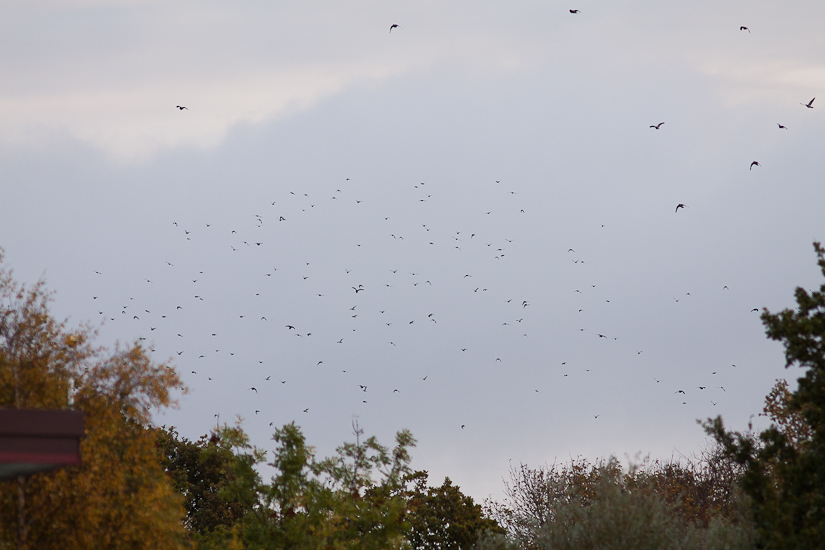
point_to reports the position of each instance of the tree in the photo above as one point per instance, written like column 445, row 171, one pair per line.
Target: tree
column 354, row 499
column 201, row 471
column 690, row 504
column 444, row 518
column 119, row 497
column 535, row 494
column 785, row 467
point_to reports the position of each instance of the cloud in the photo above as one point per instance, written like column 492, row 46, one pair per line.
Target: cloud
column 109, row 74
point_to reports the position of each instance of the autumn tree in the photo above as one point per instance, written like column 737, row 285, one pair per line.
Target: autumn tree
column 660, row 504
column 785, row 468
column 119, row 497
column 533, row 496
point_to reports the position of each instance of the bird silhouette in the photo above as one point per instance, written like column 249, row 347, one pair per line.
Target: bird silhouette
column 744, row 29
column 657, row 126
column 809, row 105
column 393, row 26
column 254, row 389
column 680, row 205
column 182, row 107
column 571, row 11
column 754, row 163
column 781, row 127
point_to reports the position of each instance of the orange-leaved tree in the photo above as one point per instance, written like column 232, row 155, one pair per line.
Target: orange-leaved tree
column 119, row 497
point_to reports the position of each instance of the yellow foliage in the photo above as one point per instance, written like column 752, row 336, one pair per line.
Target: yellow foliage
column 119, row 497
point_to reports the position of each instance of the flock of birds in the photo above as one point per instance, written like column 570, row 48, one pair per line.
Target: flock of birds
column 350, row 312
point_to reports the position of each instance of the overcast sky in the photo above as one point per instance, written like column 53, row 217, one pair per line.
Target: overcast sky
column 472, row 210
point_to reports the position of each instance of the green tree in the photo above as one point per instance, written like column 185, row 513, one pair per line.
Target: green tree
column 201, row 471
column 119, row 497
column 354, row 499
column 785, row 467
column 444, row 518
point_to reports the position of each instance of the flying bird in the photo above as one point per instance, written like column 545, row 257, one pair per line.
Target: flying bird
column 393, row 26
column 680, row 205
column 744, row 29
column 255, row 389
column 571, row 11
column 781, row 127
column 754, row 163
column 657, row 126
column 809, row 105
column 182, row 107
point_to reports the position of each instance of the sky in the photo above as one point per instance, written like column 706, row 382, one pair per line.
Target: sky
column 465, row 226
